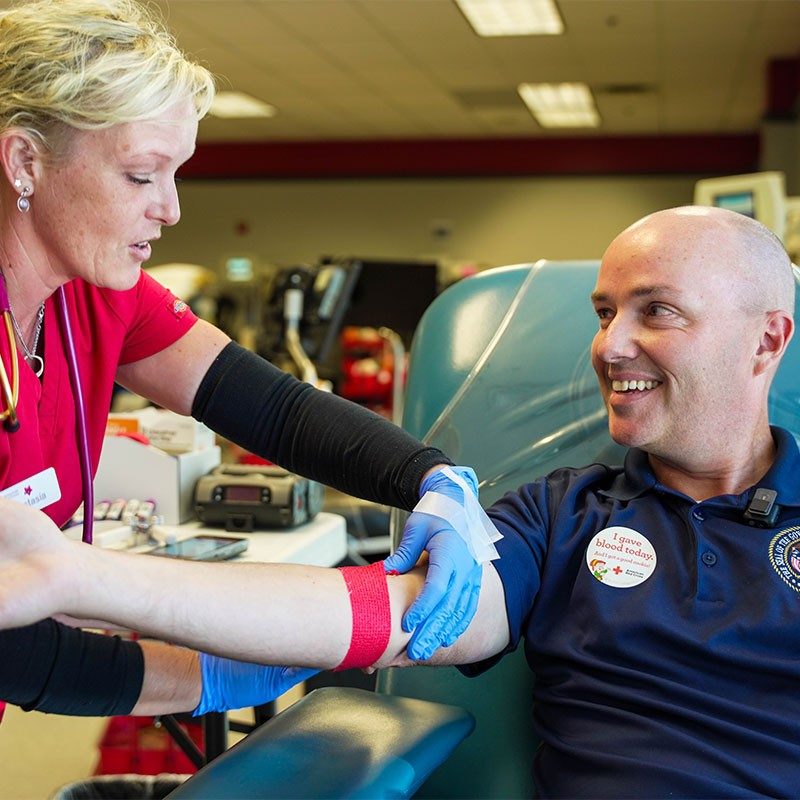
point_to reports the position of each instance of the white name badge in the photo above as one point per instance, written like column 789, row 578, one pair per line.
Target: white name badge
column 620, row 557
column 38, row 491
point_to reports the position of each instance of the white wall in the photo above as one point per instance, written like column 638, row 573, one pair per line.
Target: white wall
column 493, row 221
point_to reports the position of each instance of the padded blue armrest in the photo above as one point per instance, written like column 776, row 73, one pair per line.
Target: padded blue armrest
column 336, row 743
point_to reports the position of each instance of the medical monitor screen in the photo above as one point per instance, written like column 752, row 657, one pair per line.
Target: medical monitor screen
column 740, row 202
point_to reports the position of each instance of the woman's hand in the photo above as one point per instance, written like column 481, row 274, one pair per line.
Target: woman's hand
column 34, row 561
column 229, row 684
column 449, row 599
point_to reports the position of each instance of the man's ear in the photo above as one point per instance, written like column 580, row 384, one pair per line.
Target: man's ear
column 19, row 157
column 775, row 337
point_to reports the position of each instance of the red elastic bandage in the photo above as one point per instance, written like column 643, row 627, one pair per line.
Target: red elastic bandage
column 372, row 618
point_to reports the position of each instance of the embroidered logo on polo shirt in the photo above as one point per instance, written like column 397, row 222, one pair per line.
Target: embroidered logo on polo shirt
column 620, row 557
column 784, row 555
column 176, row 306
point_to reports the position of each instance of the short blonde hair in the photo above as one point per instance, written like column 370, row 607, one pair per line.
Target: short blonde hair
column 87, row 64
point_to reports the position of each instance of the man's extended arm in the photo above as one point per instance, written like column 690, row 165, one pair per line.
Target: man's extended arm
column 269, row 614
column 265, row 613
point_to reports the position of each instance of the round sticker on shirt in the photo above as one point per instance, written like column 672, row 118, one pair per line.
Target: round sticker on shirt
column 620, row 557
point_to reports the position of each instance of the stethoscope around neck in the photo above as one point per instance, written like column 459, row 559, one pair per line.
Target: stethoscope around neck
column 10, row 391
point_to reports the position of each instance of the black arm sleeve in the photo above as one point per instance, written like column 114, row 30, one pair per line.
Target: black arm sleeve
column 61, row 670
column 316, row 434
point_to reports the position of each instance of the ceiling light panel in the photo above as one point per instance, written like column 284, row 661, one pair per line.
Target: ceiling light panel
column 238, row 105
column 512, row 17
column 560, row 105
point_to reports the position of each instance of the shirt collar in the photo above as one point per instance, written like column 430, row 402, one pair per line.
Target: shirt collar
column 638, row 478
column 635, row 479
column 782, row 476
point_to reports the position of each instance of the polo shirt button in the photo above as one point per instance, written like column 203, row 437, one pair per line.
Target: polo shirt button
column 709, row 559
column 698, row 515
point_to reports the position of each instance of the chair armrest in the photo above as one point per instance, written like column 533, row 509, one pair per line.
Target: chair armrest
column 336, row 743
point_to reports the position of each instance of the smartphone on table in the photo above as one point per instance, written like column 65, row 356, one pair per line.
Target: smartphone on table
column 203, row 548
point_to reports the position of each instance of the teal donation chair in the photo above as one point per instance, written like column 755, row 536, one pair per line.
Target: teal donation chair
column 500, row 379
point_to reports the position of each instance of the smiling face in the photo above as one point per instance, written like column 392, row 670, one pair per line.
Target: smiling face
column 96, row 210
column 676, row 346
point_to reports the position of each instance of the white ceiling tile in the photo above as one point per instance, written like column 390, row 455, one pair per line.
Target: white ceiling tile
column 714, row 26
column 320, row 20
column 415, row 19
column 629, row 113
column 782, row 13
column 609, row 23
column 374, row 68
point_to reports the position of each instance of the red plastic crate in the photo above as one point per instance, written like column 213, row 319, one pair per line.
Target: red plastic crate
column 135, row 745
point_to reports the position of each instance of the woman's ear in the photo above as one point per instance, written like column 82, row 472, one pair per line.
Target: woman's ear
column 18, row 157
column 775, row 337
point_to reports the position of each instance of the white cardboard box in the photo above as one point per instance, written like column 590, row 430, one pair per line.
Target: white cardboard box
column 130, row 469
column 166, row 430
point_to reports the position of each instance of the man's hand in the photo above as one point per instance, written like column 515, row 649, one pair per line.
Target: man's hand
column 448, row 601
column 34, row 557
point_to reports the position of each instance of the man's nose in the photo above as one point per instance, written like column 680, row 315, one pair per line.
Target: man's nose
column 618, row 341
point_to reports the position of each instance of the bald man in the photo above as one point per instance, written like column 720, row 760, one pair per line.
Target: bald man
column 662, row 626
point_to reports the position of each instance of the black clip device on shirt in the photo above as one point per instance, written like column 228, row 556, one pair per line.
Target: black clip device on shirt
column 763, row 509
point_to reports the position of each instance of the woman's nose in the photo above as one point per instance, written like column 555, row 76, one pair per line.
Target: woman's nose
column 167, row 209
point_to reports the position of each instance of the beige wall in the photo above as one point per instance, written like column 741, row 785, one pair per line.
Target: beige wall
column 493, row 221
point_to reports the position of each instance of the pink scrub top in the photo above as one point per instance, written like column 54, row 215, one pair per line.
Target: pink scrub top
column 109, row 328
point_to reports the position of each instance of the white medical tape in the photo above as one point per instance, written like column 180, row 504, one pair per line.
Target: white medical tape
column 469, row 520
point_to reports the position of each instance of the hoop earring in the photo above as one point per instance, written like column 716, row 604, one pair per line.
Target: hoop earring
column 23, row 204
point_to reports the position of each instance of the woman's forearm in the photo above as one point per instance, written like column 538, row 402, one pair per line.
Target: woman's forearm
column 171, row 681
column 60, row 670
column 317, row 434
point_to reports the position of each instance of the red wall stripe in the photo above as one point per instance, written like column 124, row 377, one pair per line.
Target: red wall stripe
column 723, row 154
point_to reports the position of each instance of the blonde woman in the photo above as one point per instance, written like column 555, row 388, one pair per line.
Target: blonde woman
column 98, row 110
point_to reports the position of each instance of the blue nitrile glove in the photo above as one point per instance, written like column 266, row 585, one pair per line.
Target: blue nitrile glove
column 449, row 599
column 229, row 684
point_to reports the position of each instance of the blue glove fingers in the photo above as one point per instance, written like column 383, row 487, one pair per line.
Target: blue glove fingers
column 448, row 614
column 291, row 676
column 427, row 637
column 450, row 620
column 464, row 613
column 231, row 684
column 402, row 560
column 425, row 641
column 449, row 567
column 436, row 586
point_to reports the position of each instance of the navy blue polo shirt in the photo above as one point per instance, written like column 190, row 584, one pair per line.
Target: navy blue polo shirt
column 675, row 676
